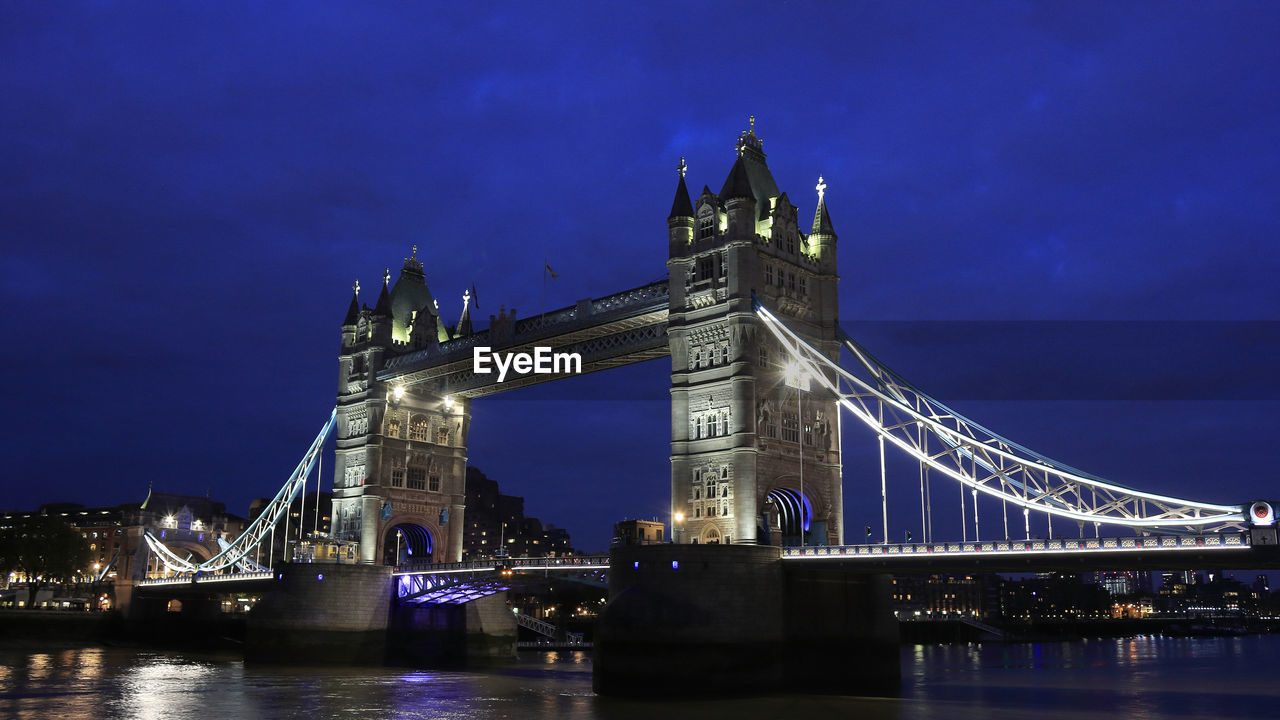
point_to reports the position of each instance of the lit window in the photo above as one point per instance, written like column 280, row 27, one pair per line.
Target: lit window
column 706, row 226
column 790, row 428
column 393, row 427
column 418, row 428
column 442, row 436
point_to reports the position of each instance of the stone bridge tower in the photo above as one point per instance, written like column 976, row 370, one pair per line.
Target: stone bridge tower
column 753, row 460
column 400, row 467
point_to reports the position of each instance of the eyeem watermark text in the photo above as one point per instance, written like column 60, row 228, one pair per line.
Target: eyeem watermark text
column 542, row 361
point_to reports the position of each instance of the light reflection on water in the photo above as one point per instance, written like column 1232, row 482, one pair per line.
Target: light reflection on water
column 1145, row 678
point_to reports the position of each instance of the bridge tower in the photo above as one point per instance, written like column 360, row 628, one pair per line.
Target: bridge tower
column 400, row 469
column 753, row 460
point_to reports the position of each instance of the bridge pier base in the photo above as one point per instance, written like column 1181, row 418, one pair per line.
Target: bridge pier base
column 705, row 620
column 477, row 633
column 323, row 613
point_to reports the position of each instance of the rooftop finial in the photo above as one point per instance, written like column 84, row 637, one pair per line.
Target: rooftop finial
column 821, row 187
column 356, row 288
column 748, row 138
column 682, row 167
column 752, row 120
column 412, row 262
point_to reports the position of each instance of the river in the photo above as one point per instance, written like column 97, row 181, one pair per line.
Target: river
column 1147, row 677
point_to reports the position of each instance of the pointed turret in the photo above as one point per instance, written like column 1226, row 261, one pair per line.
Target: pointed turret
column 384, row 298
column 464, row 322
column 410, row 297
column 682, row 206
column 353, row 312
column 822, row 219
column 738, row 184
column 680, row 221
column 822, row 240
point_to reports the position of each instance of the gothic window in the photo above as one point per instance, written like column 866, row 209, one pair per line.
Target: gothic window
column 791, row 281
column 442, row 435
column 706, row 226
column 433, row 483
column 724, row 266
column 697, row 512
column 417, row 478
column 357, row 364
column 697, row 493
column 782, row 277
column 694, row 355
column 724, row 472
column 397, row 477
column 697, row 476
column 418, row 428
column 791, row 243
column 804, row 285
column 763, row 359
column 706, row 268
column 702, row 425
column 724, row 353
column 790, row 428
column 768, row 274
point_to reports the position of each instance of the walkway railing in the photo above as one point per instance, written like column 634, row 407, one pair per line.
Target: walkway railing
column 1206, row 541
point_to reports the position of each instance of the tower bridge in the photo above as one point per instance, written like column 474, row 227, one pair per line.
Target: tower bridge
column 760, row 387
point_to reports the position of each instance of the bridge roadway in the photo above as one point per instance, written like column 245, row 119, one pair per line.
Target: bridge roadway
column 1228, row 550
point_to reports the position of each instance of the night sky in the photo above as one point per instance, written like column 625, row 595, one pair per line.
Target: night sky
column 1062, row 218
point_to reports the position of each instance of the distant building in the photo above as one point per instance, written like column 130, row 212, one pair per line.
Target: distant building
column 638, row 532
column 940, row 595
column 496, row 525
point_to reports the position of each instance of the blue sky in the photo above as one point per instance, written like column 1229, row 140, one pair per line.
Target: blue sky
column 1061, row 216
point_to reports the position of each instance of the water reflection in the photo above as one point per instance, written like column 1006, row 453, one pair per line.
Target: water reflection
column 1143, row 678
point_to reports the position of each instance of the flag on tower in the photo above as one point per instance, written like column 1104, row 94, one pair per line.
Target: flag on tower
column 554, row 276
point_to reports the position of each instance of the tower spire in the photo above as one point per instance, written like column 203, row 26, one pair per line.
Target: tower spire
column 821, row 218
column 384, row 298
column 464, row 322
column 353, row 312
column 682, row 206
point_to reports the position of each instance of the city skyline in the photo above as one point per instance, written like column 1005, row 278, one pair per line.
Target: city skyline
column 196, row 191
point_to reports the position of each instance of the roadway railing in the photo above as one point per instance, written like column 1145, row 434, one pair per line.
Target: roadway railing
column 1201, row 542
column 577, row 562
column 201, row 579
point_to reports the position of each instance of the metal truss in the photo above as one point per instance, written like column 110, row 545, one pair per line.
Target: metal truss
column 969, row 453
column 448, row 588
column 236, row 553
column 618, row 329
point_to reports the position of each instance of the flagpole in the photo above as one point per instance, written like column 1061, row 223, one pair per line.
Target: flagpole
column 542, row 308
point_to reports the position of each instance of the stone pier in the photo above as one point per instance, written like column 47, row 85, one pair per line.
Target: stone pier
column 703, row 620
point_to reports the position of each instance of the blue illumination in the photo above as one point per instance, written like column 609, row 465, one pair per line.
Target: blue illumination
column 320, row 576
column 636, row 565
column 675, row 564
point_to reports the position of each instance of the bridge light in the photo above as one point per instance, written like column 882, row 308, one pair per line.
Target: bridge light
column 398, row 392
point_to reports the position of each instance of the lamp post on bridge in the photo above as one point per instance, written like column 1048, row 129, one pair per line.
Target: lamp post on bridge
column 795, row 376
column 677, row 521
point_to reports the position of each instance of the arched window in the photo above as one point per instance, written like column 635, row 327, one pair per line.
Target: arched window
column 393, row 427
column 418, row 428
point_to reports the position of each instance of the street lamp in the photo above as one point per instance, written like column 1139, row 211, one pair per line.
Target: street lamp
column 677, row 521
column 398, row 392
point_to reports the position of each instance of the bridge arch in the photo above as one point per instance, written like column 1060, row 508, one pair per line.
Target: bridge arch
column 408, row 539
column 790, row 512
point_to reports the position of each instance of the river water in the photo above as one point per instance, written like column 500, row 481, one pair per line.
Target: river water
column 1148, row 677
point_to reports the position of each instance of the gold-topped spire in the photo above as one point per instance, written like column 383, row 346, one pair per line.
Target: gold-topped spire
column 682, row 167
column 386, row 277
column 356, row 288
column 752, row 120
column 412, row 262
column 748, row 138
column 821, row 187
